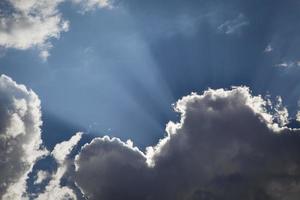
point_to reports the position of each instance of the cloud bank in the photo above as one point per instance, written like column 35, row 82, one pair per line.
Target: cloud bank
column 227, row 145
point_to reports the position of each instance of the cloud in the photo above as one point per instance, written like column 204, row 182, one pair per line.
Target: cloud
column 227, row 145
column 268, row 49
column 21, row 145
column 118, row 164
column 88, row 5
column 32, row 23
column 289, row 64
column 20, row 136
column 62, row 150
column 54, row 190
column 234, row 25
column 41, row 176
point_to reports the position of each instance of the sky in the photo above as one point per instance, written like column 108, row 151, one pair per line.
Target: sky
column 131, row 99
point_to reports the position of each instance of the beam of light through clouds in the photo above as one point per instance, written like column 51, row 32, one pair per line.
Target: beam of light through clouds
column 114, row 69
column 128, row 62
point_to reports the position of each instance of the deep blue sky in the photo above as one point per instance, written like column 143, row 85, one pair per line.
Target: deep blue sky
column 117, row 71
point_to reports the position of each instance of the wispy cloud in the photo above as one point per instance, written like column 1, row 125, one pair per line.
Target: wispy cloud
column 268, row 49
column 289, row 64
column 234, row 25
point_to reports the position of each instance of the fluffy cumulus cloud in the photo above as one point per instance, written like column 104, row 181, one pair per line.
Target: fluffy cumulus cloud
column 227, row 145
column 20, row 137
column 32, row 23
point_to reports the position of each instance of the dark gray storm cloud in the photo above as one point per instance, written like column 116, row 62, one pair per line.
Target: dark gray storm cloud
column 226, row 146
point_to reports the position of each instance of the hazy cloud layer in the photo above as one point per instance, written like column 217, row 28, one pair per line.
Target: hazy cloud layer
column 20, row 136
column 226, row 146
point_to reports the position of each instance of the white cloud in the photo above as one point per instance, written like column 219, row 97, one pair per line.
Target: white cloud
column 88, row 5
column 20, row 136
column 54, row 190
column 41, row 176
column 62, row 150
column 44, row 54
column 227, row 145
column 289, row 64
column 32, row 23
column 281, row 114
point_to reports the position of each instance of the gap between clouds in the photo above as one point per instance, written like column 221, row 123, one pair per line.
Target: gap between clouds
column 228, row 144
